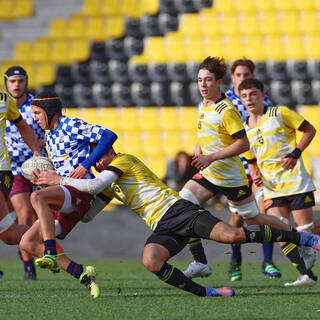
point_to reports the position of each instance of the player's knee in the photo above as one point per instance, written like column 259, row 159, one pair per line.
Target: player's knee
column 151, row 263
column 9, row 236
column 36, row 198
column 246, row 211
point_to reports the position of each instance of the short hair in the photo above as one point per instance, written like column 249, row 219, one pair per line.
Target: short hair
column 243, row 62
column 215, row 65
column 251, row 83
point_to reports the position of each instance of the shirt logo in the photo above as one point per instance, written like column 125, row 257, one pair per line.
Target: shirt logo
column 260, row 138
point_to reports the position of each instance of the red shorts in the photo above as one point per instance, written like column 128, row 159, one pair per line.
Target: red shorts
column 21, row 185
column 82, row 202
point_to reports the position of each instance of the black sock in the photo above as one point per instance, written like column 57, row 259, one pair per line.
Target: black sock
column 176, row 278
column 292, row 252
column 266, row 234
column 197, row 251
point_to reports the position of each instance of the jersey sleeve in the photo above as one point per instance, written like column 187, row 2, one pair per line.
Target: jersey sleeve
column 120, row 164
column 248, row 156
column 290, row 118
column 232, row 122
column 13, row 113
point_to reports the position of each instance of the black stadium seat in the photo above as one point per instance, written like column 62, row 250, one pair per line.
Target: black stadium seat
column 98, row 51
column 64, row 75
column 115, row 49
column 194, row 93
column 150, row 26
column 99, row 72
column 133, row 46
column 313, row 67
column 102, row 95
column 138, row 72
column 133, row 28
column 297, row 70
column 168, row 22
column 168, row 6
column 315, row 85
column 177, row 72
column 179, row 93
column 66, row 95
column 141, row 95
column 302, row 92
column 160, row 94
column 158, row 72
column 82, row 96
column 280, row 92
column 118, row 71
column 277, row 70
column 81, row 72
column 121, row 94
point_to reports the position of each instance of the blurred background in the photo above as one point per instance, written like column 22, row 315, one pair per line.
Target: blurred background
column 131, row 65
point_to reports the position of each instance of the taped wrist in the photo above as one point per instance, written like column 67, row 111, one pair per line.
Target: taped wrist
column 295, row 154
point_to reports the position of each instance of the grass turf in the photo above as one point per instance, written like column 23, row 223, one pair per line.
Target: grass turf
column 131, row 292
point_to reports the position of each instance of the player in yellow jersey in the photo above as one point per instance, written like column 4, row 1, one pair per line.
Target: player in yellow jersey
column 10, row 232
column 173, row 220
column 274, row 162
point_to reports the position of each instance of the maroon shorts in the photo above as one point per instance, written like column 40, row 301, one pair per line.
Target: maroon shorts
column 82, row 202
column 21, row 185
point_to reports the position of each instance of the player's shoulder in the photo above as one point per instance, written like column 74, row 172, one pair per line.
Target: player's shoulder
column 276, row 111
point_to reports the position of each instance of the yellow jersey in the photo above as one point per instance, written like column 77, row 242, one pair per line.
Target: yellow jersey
column 8, row 111
column 218, row 126
column 140, row 189
column 272, row 138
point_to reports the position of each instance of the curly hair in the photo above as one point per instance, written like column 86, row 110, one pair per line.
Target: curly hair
column 215, row 65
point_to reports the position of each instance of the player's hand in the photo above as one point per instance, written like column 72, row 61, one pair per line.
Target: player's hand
column 36, row 153
column 288, row 163
column 257, row 180
column 46, row 178
column 201, row 161
column 79, row 172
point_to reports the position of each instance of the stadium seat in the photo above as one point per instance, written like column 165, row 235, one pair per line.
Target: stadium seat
column 268, row 23
column 90, row 115
column 132, row 46
column 232, row 48
column 115, row 49
column 73, row 112
column 288, row 22
column 260, row 72
column 177, row 72
column 281, row 93
column 168, row 23
column 179, row 94
column 154, row 50
column 157, row 164
column 200, row 4
column 109, row 118
column 150, row 7
column 194, row 93
column 76, row 27
column 283, row 5
column 277, row 70
column 118, row 71
column 312, row 46
column 213, row 46
column 24, row 8
column 167, row 119
column 171, row 143
column 294, row 47
column 168, row 6
column 79, row 50
column 194, row 48
column 138, row 72
column 185, row 6
column 7, row 11
column 248, row 22
column 313, row 67
column 244, row 6
column 96, row 29
column 150, row 26
column 64, row 75
column 302, row 92
column 45, row 74
column 148, row 119
column 224, row 6
column 174, row 48
column 189, row 140
column 189, row 25
column 41, row 50
column 308, row 21
column 81, row 72
column 192, row 70
column 315, row 85
column 115, row 27
column 58, row 29
column 91, row 7
column 304, row 5
column 297, row 69
column 22, row 51
column 60, row 52
column 121, row 94
column 82, row 96
column 228, row 24
column 160, row 94
column 99, row 71
column 151, row 144
column 102, row 95
column 140, row 94
column 98, row 51
column 131, row 143
column 253, row 48
column 264, row 6
column 158, row 72
column 127, row 119
column 187, row 118
column 109, row 7
column 273, row 47
column 133, row 28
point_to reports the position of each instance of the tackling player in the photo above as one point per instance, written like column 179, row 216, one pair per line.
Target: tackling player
column 275, row 163
column 173, row 220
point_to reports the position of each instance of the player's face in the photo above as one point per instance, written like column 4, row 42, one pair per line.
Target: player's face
column 103, row 163
column 208, row 85
column 40, row 117
column 16, row 86
column 252, row 99
column 240, row 73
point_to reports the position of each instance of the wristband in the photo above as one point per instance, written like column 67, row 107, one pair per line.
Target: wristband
column 295, row 154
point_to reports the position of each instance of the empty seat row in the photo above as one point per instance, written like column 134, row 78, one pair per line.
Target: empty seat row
column 16, row 9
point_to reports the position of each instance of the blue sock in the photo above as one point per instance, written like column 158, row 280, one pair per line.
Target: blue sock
column 75, row 269
column 29, row 265
column 267, row 252
column 236, row 253
column 50, row 247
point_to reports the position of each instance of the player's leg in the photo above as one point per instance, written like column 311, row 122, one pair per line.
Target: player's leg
column 197, row 194
column 156, row 253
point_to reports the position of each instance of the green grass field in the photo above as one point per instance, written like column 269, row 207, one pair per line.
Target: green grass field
column 131, row 292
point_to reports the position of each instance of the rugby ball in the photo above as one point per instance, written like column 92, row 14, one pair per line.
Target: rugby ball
column 33, row 163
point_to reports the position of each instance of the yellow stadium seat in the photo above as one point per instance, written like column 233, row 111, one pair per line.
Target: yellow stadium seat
column 273, row 47
column 294, row 48
column 114, row 27
column 311, row 114
column 31, row 70
column 22, row 51
column 167, row 119
column 288, row 22
column 174, row 48
column 108, row 118
column 224, row 6
column 151, row 144
column 244, row 5
column 149, row 6
column 253, row 48
column 189, row 140
column 72, row 112
column 58, row 29
column 110, row 7
column 228, row 24
column 96, row 29
column 157, row 165
column 209, row 23
column 24, row 8
column 268, row 23
column 194, row 48
column 248, row 23
column 154, row 50
column 130, row 8
column 60, row 53
column 41, row 50
column 304, row 5
column 316, row 4
column 233, row 48
column 45, row 74
column 312, row 46
column 7, row 11
column 264, row 6
column 79, row 50
column 148, row 119
column 187, row 118
column 5, row 65
column 130, row 142
column 189, row 25
column 90, row 115
column 76, row 27
column 91, row 7
column 212, row 46
column 171, row 143
column 308, row 22
column 128, row 119
column 283, row 5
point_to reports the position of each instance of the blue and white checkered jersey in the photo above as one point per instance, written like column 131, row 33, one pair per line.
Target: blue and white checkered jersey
column 231, row 95
column 69, row 144
column 17, row 148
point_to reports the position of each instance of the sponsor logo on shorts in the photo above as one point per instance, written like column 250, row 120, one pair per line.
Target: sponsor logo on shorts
column 241, row 193
column 307, row 199
column 268, row 203
column 197, row 176
column 7, row 181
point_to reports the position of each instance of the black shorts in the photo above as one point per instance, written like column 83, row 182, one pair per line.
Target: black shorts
column 182, row 221
column 6, row 182
column 294, row 202
column 233, row 193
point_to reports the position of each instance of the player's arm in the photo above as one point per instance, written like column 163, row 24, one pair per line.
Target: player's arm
column 255, row 173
